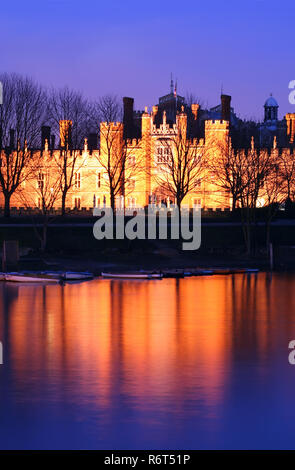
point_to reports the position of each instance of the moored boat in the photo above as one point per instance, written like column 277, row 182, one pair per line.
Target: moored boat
column 138, row 275
column 28, row 277
column 76, row 276
column 201, row 272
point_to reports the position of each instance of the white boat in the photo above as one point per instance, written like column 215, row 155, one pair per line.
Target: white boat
column 132, row 275
column 76, row 276
column 69, row 275
column 28, row 277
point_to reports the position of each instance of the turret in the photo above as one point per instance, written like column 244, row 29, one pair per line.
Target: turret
column 216, row 133
column 145, row 123
column 290, row 119
column 65, row 132
column 181, row 122
column 271, row 109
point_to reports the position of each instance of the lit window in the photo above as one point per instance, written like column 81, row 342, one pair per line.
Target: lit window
column 132, row 202
column 99, row 180
column 77, row 202
column 131, row 160
column 131, row 184
column 163, row 154
column 196, row 202
column 77, row 180
column 41, row 178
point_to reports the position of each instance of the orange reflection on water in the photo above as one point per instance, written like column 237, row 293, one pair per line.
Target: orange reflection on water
column 148, row 341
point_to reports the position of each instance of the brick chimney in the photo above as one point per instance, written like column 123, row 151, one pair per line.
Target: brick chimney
column 65, row 131
column 225, row 107
column 92, row 141
column 128, row 117
column 195, row 109
column 45, row 134
column 290, row 119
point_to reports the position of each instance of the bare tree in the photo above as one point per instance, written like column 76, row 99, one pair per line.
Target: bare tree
column 287, row 171
column 179, row 166
column 226, row 169
column 21, row 116
column 257, row 167
column 43, row 191
column 191, row 98
column 274, row 193
column 108, row 108
column 116, row 158
column 69, row 114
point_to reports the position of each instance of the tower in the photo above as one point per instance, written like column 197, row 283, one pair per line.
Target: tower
column 290, row 119
column 65, row 131
column 271, row 109
column 146, row 122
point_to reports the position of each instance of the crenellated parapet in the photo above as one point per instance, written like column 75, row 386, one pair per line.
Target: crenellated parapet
column 133, row 143
column 216, row 124
column 111, row 126
column 163, row 130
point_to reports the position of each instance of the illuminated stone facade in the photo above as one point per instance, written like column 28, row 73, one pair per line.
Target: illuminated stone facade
column 90, row 185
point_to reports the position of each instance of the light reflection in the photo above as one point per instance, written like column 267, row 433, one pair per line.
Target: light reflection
column 170, row 344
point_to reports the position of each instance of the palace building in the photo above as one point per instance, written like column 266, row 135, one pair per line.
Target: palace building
column 144, row 140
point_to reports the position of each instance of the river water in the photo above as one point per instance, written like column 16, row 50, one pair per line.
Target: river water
column 196, row 363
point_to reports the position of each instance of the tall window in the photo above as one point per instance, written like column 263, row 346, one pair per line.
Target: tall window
column 77, row 180
column 98, row 180
column 131, row 160
column 77, row 202
column 131, row 202
column 41, row 179
column 131, row 184
column 163, row 154
column 197, row 202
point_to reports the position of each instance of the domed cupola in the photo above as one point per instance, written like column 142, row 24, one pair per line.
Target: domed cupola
column 271, row 109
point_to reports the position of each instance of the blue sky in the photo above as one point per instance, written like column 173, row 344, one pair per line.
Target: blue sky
column 130, row 48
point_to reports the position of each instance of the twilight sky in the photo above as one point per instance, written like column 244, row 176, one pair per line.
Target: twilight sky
column 129, row 48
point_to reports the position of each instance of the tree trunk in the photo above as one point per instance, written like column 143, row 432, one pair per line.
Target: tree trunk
column 178, row 201
column 7, row 205
column 234, row 203
column 112, row 201
column 63, row 203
